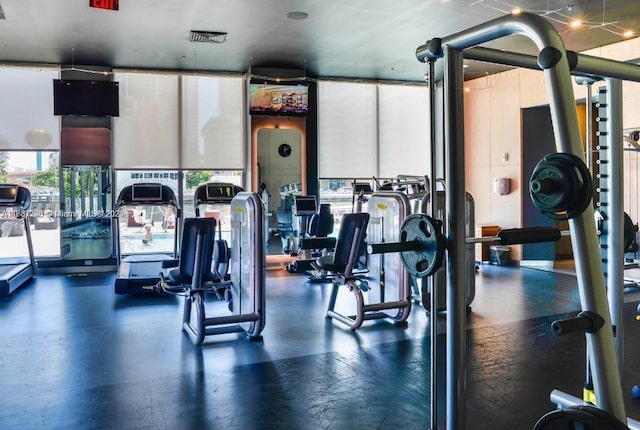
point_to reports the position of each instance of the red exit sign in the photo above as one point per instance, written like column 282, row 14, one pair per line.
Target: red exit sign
column 105, row 4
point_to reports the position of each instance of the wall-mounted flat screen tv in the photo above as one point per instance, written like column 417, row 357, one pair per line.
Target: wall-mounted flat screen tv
column 87, row 98
column 278, row 99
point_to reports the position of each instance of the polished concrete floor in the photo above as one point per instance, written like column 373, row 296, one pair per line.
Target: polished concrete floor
column 75, row 356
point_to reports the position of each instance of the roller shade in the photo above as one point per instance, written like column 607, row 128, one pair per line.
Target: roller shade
column 26, row 110
column 403, row 133
column 346, row 130
column 146, row 134
column 212, row 122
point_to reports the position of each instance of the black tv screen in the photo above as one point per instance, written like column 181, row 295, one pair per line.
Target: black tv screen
column 87, row 98
column 278, row 99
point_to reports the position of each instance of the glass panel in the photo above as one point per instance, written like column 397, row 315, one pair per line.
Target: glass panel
column 13, row 240
column 39, row 172
column 194, row 178
column 147, row 229
column 87, row 216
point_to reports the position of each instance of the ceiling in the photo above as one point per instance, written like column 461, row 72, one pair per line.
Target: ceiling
column 354, row 39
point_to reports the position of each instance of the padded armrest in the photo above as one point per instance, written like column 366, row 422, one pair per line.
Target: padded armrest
column 166, row 264
column 318, row 243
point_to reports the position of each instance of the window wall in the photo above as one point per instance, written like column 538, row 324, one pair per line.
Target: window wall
column 190, row 126
column 367, row 131
column 29, row 149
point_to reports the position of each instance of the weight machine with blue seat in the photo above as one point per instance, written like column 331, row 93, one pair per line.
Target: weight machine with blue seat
column 244, row 291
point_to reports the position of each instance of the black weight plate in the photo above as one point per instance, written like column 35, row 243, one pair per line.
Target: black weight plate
column 426, row 231
column 567, row 187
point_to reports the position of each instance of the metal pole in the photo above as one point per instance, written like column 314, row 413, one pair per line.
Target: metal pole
column 615, row 210
column 433, row 212
column 455, row 216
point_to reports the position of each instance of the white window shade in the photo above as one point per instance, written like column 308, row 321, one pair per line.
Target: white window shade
column 212, row 122
column 346, row 130
column 27, row 122
column 146, row 134
column 403, row 121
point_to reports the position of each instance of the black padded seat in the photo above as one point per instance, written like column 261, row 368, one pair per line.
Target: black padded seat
column 350, row 240
column 192, row 228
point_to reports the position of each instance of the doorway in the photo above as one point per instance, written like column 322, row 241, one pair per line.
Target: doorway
column 279, row 166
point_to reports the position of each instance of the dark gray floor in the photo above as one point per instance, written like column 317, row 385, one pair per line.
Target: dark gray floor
column 75, row 356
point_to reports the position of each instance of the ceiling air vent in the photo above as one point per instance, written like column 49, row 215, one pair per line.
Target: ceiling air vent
column 207, row 36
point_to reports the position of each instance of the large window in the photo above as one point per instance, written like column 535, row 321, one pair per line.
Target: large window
column 368, row 131
column 178, row 122
column 39, row 172
column 146, row 229
column 29, row 144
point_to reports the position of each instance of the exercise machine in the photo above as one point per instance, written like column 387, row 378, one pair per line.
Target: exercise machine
column 311, row 233
column 385, row 293
column 14, row 205
column 568, row 198
column 139, row 270
column 285, row 219
column 244, row 291
column 424, row 286
column 315, row 244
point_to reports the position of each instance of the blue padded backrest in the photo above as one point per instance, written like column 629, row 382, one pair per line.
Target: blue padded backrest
column 192, row 228
column 352, row 231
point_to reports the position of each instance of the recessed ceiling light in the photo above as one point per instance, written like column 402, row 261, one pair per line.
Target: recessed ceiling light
column 576, row 23
column 516, row 11
column 297, row 15
column 628, row 33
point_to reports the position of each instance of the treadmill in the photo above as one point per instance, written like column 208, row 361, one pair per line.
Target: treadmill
column 139, row 271
column 14, row 203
